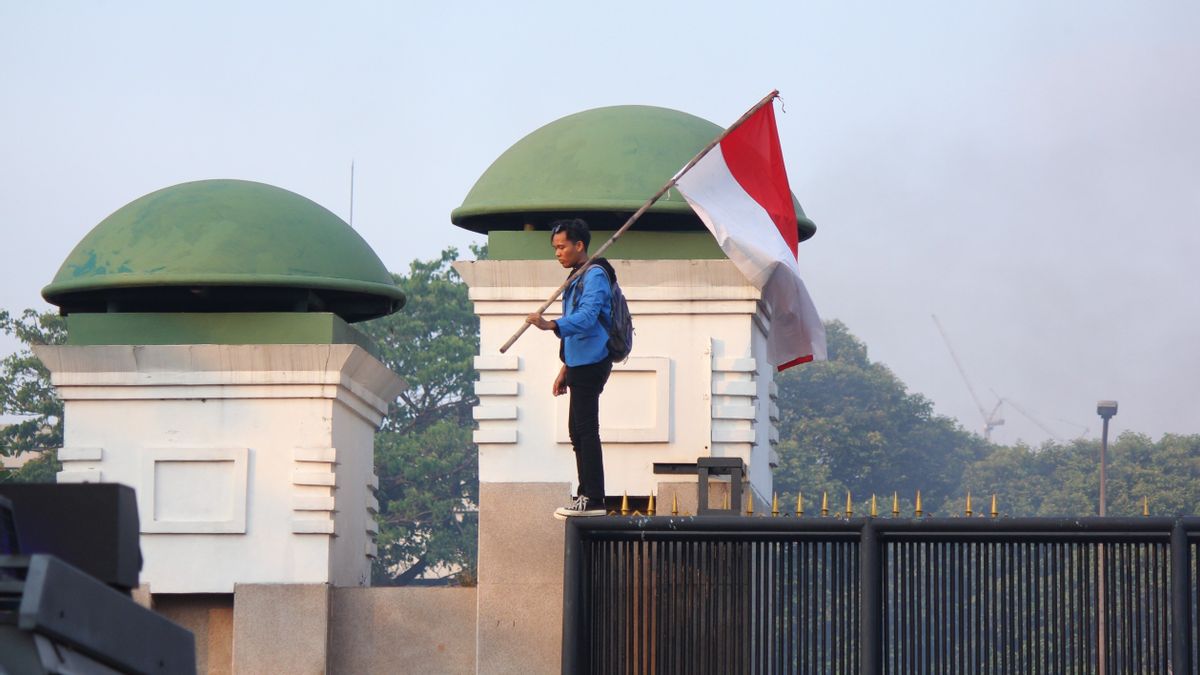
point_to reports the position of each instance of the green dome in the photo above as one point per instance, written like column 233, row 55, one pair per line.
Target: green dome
column 602, row 164
column 224, row 245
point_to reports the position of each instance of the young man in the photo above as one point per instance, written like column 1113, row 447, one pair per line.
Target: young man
column 583, row 329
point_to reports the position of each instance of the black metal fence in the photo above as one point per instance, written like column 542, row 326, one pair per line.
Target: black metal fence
column 870, row 595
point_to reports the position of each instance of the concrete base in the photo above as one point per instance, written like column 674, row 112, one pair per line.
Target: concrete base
column 397, row 630
column 210, row 618
column 685, row 493
column 520, row 577
column 281, row 628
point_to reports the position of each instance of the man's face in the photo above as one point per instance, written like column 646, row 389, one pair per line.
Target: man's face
column 568, row 253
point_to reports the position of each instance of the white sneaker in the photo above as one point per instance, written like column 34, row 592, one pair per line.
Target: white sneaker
column 578, row 507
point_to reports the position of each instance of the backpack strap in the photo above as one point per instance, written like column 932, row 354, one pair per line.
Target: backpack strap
column 577, row 287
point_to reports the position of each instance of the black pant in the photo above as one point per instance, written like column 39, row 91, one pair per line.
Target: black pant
column 586, row 383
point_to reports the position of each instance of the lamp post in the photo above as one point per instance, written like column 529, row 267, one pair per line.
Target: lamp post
column 1106, row 409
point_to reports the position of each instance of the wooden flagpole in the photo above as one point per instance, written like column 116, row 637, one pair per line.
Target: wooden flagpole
column 638, row 214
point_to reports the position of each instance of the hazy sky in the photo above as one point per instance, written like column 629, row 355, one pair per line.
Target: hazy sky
column 1028, row 171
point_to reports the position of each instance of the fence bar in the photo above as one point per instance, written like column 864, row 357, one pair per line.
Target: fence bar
column 576, row 641
column 1181, row 600
column 871, row 615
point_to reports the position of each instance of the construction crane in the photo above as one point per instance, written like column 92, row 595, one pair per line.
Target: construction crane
column 1082, row 434
column 1031, row 418
column 990, row 420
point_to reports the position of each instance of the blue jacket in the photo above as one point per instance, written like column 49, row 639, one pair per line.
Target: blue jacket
column 583, row 326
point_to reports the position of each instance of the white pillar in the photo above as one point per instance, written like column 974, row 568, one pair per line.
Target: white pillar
column 253, row 464
column 696, row 384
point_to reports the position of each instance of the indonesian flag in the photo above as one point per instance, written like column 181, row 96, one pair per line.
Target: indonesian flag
column 740, row 190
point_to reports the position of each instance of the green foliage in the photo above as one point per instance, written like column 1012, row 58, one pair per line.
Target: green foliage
column 424, row 456
column 849, row 423
column 1064, row 479
column 26, row 393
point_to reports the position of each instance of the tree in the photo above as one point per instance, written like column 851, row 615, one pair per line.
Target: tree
column 26, row 393
column 849, row 424
column 424, row 456
column 1064, row 479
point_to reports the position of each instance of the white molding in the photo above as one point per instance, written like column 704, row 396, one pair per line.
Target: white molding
column 312, row 526
column 497, row 436
column 117, row 372
column 323, row 455
column 746, row 388
column 80, row 476
column 312, row 503
column 497, row 388
column 733, row 412
column 734, row 365
column 149, row 499
column 498, row 362
column 494, row 412
column 658, row 431
column 319, row 478
column 733, row 435
column 76, row 454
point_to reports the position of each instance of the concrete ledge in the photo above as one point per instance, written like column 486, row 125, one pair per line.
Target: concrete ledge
column 409, row 630
column 210, row 618
column 281, row 628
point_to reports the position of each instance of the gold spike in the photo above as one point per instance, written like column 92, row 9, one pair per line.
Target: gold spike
column 849, row 505
column 799, row 504
column 750, row 504
column 874, row 508
column 775, row 503
column 968, row 504
column 726, row 502
column 995, row 511
column 625, row 504
column 650, row 505
column 674, row 503
column 1145, row 506
column 824, row 503
column 918, row 509
column 895, row 504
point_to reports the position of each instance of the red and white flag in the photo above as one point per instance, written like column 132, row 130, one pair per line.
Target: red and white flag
column 740, row 190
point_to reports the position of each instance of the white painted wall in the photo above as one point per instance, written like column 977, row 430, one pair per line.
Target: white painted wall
column 696, row 384
column 252, row 463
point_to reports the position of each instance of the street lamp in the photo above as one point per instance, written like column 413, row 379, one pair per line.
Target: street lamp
column 1105, row 409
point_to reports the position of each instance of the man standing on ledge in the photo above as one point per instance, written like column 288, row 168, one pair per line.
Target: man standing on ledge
column 583, row 329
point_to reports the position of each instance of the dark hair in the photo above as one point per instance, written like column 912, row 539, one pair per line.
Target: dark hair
column 576, row 229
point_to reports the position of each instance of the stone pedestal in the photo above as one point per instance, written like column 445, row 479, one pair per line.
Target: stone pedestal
column 519, row 620
column 696, row 385
column 281, row 628
column 252, row 463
